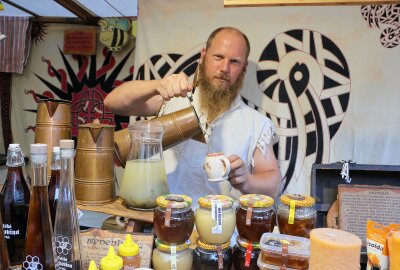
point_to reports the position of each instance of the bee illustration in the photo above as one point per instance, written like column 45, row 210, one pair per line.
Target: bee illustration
column 114, row 33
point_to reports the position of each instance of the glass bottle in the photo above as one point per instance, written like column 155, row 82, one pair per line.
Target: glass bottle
column 66, row 229
column 4, row 259
column 144, row 178
column 54, row 183
column 15, row 204
column 39, row 251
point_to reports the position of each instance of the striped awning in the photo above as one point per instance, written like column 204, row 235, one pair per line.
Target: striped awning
column 15, row 44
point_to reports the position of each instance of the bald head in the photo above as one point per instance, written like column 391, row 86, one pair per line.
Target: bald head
column 229, row 29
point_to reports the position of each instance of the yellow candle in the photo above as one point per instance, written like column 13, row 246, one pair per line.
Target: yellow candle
column 334, row 249
column 394, row 255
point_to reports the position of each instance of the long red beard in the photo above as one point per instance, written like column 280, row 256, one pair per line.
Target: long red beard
column 217, row 98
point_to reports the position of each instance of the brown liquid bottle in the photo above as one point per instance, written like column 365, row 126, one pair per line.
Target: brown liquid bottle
column 4, row 260
column 15, row 204
column 54, row 183
column 39, row 251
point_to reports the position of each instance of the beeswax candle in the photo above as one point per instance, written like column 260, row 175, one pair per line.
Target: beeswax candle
column 334, row 249
column 394, row 257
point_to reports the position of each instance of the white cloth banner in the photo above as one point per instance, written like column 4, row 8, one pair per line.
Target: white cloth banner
column 328, row 77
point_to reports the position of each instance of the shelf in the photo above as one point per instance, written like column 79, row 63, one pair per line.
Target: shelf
column 118, row 208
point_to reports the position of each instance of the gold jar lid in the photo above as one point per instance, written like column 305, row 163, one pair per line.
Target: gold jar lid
column 256, row 200
column 163, row 246
column 175, row 201
column 299, row 200
column 213, row 247
column 205, row 202
column 244, row 243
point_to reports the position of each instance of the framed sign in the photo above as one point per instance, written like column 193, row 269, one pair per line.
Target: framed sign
column 80, row 41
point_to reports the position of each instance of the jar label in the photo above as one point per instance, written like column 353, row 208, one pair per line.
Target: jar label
column 220, row 257
column 249, row 250
column 168, row 212
column 249, row 214
column 173, row 257
column 216, row 215
column 292, row 211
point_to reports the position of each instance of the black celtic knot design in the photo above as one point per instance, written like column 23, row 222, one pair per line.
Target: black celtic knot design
column 306, row 81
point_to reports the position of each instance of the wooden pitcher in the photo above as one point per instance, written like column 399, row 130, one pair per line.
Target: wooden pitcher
column 53, row 123
column 94, row 164
column 178, row 127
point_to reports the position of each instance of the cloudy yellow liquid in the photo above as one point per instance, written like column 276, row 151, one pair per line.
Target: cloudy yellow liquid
column 142, row 182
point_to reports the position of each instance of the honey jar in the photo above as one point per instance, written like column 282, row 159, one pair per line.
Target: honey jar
column 215, row 219
column 284, row 250
column 171, row 256
column 296, row 215
column 255, row 216
column 245, row 254
column 208, row 256
column 173, row 218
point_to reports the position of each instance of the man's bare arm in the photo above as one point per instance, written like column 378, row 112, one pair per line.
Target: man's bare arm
column 144, row 98
column 266, row 178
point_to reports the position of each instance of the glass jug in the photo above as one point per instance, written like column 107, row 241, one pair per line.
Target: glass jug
column 144, row 178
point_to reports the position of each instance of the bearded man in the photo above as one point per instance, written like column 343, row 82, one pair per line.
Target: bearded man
column 230, row 126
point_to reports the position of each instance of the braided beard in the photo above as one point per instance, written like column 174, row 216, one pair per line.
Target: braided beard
column 215, row 97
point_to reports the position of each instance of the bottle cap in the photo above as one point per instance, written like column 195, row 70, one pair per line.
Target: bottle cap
column 67, row 144
column 256, row 200
column 39, row 152
column 111, row 261
column 56, row 149
column 129, row 247
column 39, row 148
column 15, row 157
column 92, row 265
column 13, row 145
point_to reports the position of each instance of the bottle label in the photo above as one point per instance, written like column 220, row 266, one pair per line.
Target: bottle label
column 32, row 263
column 63, row 247
column 173, row 257
column 216, row 214
column 11, row 230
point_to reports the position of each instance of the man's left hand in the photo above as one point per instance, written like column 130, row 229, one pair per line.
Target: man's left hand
column 239, row 173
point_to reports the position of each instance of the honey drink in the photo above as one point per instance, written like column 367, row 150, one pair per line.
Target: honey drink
column 143, row 181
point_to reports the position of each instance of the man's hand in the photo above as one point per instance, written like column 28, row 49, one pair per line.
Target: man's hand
column 239, row 173
column 175, row 85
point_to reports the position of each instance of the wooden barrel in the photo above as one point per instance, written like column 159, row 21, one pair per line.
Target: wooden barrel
column 53, row 123
column 94, row 164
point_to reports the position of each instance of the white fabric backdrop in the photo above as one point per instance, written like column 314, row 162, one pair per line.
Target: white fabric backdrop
column 320, row 73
